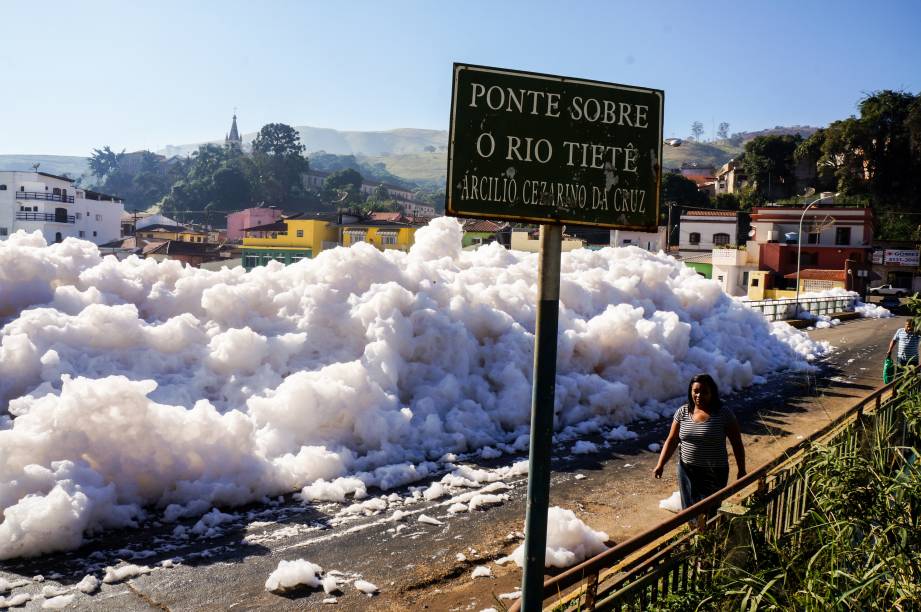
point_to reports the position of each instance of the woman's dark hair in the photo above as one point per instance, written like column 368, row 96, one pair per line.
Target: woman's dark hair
column 707, row 381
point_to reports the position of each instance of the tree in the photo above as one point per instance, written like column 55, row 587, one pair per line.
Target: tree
column 344, row 187
column 769, row 164
column 723, row 132
column 278, row 140
column 278, row 163
column 727, row 201
column 697, row 129
column 105, row 161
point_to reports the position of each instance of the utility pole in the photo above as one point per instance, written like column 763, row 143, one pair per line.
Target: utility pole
column 668, row 229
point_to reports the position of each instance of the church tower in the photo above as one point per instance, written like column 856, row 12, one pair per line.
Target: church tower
column 233, row 139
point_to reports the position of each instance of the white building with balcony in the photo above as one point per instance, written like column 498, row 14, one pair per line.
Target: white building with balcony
column 32, row 201
column 705, row 230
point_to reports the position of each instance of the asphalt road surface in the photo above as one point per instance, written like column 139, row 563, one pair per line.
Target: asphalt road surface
column 418, row 565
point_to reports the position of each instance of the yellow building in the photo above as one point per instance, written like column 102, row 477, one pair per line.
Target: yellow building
column 288, row 241
column 294, row 238
column 382, row 234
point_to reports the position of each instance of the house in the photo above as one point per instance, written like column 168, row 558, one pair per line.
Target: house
column 733, row 267
column 384, row 235
column 529, row 240
column 250, row 217
column 305, row 235
column 730, row 178
column 160, row 232
column 54, row 206
column 481, row 231
column 195, row 254
column 648, row 241
column 703, row 230
column 831, row 237
column 287, row 240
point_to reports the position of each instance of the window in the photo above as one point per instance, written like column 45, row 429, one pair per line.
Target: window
column 720, row 239
column 2, row 187
column 300, row 233
column 4, row 231
column 81, row 234
column 94, row 233
column 842, row 235
column 754, row 282
column 99, row 217
column 745, row 278
column 58, row 237
column 813, row 238
column 720, row 278
column 79, row 215
column 694, row 238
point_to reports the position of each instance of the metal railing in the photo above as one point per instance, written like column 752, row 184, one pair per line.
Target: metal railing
column 47, row 217
column 784, row 309
column 662, row 561
column 39, row 195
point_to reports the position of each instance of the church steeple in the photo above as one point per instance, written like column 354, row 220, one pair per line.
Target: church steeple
column 233, row 138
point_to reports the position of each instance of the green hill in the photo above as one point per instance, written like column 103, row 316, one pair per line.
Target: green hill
column 72, row 166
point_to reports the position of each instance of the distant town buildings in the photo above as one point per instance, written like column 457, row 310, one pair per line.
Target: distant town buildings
column 410, row 207
column 32, row 201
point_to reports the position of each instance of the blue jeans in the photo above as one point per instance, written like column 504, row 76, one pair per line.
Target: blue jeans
column 697, row 482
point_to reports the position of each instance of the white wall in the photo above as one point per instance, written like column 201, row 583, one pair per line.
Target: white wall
column 521, row 242
column 706, row 229
column 648, row 241
column 103, row 218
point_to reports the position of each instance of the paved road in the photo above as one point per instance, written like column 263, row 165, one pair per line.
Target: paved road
column 416, row 565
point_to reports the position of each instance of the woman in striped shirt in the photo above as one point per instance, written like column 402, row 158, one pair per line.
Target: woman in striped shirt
column 702, row 426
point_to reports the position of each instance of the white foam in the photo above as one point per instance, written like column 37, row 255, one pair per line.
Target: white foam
column 138, row 385
column 291, row 574
column 569, row 540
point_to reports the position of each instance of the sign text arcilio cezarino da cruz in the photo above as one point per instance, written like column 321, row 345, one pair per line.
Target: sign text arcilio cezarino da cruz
column 543, row 148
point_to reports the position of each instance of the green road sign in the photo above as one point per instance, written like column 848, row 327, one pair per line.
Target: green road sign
column 550, row 149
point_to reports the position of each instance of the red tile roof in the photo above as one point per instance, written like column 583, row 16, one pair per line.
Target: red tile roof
column 387, row 216
column 480, row 225
column 814, row 274
column 710, row 213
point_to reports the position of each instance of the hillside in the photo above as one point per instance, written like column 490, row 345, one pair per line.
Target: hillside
column 73, row 166
column 399, row 141
column 410, row 154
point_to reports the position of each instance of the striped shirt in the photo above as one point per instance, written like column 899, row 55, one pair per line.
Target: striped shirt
column 908, row 344
column 704, row 444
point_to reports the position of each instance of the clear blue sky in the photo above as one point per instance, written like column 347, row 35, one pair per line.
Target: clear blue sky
column 136, row 75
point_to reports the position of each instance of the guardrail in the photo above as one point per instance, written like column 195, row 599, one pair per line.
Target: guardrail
column 661, row 561
column 784, row 309
column 48, row 217
column 39, row 195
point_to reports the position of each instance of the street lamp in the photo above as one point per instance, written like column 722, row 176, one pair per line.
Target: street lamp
column 799, row 244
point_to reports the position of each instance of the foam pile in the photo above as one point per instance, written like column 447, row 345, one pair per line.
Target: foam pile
column 135, row 384
column 569, row 541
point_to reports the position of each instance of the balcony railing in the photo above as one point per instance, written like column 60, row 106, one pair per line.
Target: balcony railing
column 46, row 217
column 39, row 195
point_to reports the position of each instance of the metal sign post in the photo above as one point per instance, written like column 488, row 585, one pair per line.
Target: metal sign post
column 542, row 408
column 552, row 150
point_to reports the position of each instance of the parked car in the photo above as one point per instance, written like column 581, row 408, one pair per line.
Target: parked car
column 888, row 290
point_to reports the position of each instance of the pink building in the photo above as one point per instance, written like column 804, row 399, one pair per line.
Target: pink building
column 251, row 217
